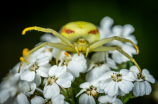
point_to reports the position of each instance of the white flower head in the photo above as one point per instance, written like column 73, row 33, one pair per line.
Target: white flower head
column 33, row 66
column 89, row 89
column 109, row 100
column 57, row 76
column 75, row 64
column 113, row 81
column 142, row 85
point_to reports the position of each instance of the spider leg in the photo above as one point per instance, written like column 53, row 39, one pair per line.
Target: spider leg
column 58, row 55
column 107, row 40
column 103, row 48
column 57, row 45
column 47, row 30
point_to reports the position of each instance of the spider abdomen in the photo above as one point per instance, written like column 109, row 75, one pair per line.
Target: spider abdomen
column 80, row 29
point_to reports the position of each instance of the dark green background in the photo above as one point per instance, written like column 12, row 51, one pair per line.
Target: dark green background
column 15, row 16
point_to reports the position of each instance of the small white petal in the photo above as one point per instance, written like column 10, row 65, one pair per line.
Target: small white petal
column 22, row 99
column 4, row 95
column 86, row 99
column 50, row 91
column 33, row 87
column 111, row 63
column 37, row 100
column 147, row 88
column 136, row 89
column 125, row 86
column 117, row 57
column 81, row 91
column 65, row 80
column 28, row 75
column 142, row 88
column 25, row 87
column 52, row 70
column 97, row 72
column 128, row 29
column 75, row 68
column 37, row 80
column 107, row 86
column 104, row 84
column 149, row 78
column 85, row 85
column 117, row 101
column 106, row 99
column 59, row 99
column 105, row 76
column 43, row 61
column 117, row 29
column 134, row 69
column 145, row 72
column 113, row 89
column 41, row 72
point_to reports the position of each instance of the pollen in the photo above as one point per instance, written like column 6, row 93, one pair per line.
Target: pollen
column 66, row 54
column 25, row 51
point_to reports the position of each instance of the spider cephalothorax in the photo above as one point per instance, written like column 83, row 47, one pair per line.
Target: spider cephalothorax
column 80, row 37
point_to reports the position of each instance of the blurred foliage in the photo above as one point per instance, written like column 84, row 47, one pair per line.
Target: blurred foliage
column 142, row 14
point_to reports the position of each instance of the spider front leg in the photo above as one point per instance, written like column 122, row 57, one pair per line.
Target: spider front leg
column 57, row 45
column 104, row 48
column 107, row 40
column 47, row 30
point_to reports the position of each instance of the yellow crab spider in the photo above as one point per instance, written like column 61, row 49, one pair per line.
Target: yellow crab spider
column 81, row 37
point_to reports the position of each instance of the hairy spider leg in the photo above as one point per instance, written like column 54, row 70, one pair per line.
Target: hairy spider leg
column 104, row 48
column 57, row 45
column 107, row 40
column 48, row 30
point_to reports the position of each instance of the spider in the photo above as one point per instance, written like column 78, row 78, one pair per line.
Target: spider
column 80, row 37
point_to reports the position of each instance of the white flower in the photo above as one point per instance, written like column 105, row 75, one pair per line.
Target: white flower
column 109, row 100
column 113, row 81
column 142, row 85
column 123, row 32
column 57, row 75
column 90, row 89
column 105, row 27
column 34, row 65
column 55, row 99
column 75, row 64
column 28, row 88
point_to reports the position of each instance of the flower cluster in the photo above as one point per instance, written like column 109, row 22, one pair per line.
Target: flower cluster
column 104, row 78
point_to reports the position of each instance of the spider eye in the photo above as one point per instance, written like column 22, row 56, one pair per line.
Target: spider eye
column 93, row 31
column 68, row 31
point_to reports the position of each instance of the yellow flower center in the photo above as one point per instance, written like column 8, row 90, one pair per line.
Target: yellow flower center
column 116, row 77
